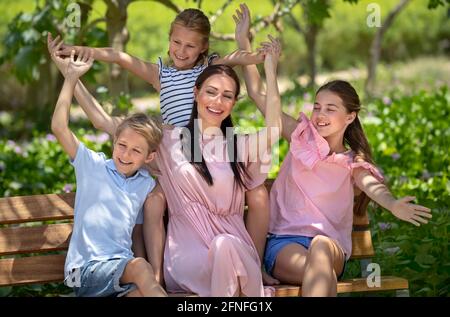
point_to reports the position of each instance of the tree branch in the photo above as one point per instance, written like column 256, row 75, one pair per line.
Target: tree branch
column 219, row 12
column 168, row 4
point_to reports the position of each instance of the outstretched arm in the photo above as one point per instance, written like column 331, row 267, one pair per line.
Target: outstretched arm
column 240, row 57
column 400, row 208
column 60, row 119
column 252, row 77
column 147, row 71
column 95, row 112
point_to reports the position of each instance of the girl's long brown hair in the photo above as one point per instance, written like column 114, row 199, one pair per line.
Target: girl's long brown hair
column 354, row 134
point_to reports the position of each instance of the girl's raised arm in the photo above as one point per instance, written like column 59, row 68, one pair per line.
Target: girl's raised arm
column 252, row 77
column 145, row 70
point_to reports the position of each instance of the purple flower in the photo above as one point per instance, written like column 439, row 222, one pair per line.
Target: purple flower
column 18, row 149
column 395, row 156
column 403, row 179
column 392, row 251
column 384, row 226
column 307, row 107
column 50, row 137
column 68, row 188
column 387, row 101
column 426, row 175
column 103, row 137
column 11, row 143
column 90, row 137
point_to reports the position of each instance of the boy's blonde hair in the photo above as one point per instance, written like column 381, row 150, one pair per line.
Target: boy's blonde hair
column 149, row 128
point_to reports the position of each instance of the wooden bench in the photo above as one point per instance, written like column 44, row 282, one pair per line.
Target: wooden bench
column 32, row 250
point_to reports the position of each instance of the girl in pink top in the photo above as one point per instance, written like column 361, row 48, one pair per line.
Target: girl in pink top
column 312, row 198
column 209, row 250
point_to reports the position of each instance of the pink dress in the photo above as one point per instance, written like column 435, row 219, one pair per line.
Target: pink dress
column 313, row 193
column 208, row 249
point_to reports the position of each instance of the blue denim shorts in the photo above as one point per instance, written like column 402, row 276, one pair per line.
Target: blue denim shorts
column 102, row 279
column 277, row 242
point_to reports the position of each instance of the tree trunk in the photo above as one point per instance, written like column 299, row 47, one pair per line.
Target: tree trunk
column 310, row 35
column 116, row 20
column 375, row 48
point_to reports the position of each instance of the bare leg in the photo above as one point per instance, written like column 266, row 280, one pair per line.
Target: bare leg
column 290, row 264
column 324, row 262
column 140, row 272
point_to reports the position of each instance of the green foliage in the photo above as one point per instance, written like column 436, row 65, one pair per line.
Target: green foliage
column 25, row 42
column 40, row 166
column 410, row 137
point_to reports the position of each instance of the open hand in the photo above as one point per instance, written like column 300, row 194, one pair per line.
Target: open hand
column 412, row 213
column 79, row 66
column 272, row 52
column 242, row 21
column 53, row 45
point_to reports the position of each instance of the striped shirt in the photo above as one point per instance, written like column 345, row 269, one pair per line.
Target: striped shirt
column 176, row 96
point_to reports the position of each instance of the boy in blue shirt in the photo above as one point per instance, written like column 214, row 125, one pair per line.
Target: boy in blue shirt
column 109, row 200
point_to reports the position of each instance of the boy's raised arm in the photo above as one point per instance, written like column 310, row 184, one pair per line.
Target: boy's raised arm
column 95, row 112
column 60, row 119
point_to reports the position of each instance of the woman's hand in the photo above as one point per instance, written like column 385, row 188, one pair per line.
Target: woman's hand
column 272, row 52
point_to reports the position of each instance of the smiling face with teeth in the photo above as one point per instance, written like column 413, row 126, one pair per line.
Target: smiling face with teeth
column 131, row 152
column 330, row 117
column 215, row 99
column 185, row 47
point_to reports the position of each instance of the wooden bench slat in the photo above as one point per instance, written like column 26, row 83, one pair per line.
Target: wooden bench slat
column 30, row 270
column 362, row 245
column 35, row 239
column 36, row 208
column 387, row 283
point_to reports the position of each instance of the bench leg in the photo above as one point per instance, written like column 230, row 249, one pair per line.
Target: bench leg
column 364, row 263
column 402, row 293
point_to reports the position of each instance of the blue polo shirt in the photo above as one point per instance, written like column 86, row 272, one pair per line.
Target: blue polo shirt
column 107, row 206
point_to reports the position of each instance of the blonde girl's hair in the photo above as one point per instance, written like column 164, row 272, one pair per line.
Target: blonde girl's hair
column 149, row 128
column 194, row 20
column 354, row 135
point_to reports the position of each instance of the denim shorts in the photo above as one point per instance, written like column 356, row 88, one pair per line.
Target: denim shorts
column 102, row 279
column 277, row 242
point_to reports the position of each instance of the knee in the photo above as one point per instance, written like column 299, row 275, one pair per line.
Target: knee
column 321, row 243
column 257, row 196
column 139, row 267
column 222, row 245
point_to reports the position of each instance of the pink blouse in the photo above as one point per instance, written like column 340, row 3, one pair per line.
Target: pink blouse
column 313, row 193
